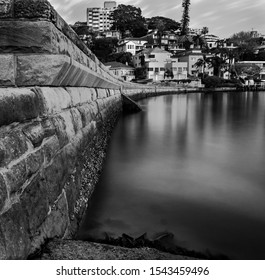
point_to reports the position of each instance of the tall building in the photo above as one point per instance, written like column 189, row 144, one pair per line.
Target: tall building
column 98, row 19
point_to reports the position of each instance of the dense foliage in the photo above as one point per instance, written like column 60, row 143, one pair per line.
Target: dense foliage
column 103, row 47
column 168, row 24
column 129, row 21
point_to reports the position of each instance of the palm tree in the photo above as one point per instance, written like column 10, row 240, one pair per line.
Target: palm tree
column 202, row 63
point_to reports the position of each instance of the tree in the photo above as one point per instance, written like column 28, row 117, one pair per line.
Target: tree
column 247, row 44
column 168, row 23
column 205, row 30
column 122, row 57
column 185, row 17
column 218, row 63
column 103, row 47
column 202, row 63
column 129, row 18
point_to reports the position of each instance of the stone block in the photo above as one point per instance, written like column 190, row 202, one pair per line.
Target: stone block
column 101, row 93
column 34, row 161
column 16, row 176
column 77, row 119
column 55, row 225
column 33, row 9
column 3, row 191
column 59, row 125
column 14, row 231
column 54, row 99
column 50, row 147
column 69, row 125
column 41, row 70
column 55, row 176
column 7, row 70
column 34, row 202
column 34, row 132
column 18, row 105
column 48, row 127
column 85, row 112
column 6, row 8
column 12, row 145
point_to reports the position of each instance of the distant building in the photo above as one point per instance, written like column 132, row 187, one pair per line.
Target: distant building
column 160, row 65
column 191, row 57
column 121, row 70
column 132, row 45
column 98, row 19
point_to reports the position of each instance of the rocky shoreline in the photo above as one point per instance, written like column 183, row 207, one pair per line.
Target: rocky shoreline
column 124, row 247
column 58, row 249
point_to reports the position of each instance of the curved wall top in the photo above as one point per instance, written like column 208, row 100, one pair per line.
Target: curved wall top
column 38, row 48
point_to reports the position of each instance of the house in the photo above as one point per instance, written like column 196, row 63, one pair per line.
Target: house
column 132, row 45
column 160, row 65
column 121, row 70
column 191, row 57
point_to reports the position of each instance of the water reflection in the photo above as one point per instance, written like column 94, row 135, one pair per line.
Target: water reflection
column 192, row 165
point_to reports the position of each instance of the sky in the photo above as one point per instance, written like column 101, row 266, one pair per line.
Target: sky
column 222, row 17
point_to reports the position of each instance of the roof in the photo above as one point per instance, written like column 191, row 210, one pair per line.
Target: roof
column 153, row 50
column 115, row 65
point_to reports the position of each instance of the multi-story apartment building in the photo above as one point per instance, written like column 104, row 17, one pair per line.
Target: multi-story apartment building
column 98, row 19
column 158, row 63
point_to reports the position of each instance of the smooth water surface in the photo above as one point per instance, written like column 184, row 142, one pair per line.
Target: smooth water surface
column 193, row 165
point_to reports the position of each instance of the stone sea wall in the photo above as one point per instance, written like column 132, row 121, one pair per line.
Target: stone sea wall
column 52, row 143
column 58, row 105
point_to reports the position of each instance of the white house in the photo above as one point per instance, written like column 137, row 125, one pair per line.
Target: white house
column 121, row 70
column 160, row 65
column 132, row 45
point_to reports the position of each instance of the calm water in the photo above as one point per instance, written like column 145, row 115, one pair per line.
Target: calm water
column 192, row 165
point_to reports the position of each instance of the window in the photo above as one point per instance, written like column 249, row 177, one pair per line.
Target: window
column 151, row 56
column 185, row 69
column 150, row 69
column 156, row 69
column 174, row 69
column 162, row 69
column 179, row 69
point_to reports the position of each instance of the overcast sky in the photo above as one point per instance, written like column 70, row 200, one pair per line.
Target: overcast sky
column 222, row 17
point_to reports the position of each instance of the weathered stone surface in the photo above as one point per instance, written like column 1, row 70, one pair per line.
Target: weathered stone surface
column 18, row 105
column 85, row 112
column 54, row 176
column 55, row 224
column 3, row 191
column 34, row 132
column 34, row 202
column 50, row 147
column 6, row 8
column 40, row 70
column 16, row 176
column 7, row 70
column 33, row 9
column 12, row 145
column 34, row 161
column 77, row 120
column 13, row 226
column 101, row 93
column 54, row 99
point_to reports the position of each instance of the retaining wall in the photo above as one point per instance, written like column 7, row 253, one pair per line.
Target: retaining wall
column 58, row 105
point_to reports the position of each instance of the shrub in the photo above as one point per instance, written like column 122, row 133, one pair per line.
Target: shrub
column 212, row 81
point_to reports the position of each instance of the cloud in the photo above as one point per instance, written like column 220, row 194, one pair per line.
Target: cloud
column 224, row 17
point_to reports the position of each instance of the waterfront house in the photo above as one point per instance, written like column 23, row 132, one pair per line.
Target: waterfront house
column 121, row 70
column 160, row 65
